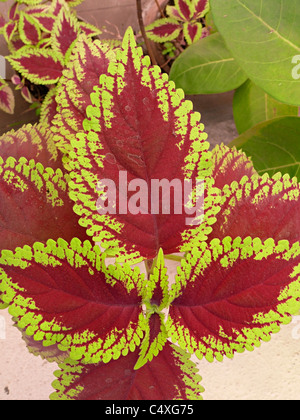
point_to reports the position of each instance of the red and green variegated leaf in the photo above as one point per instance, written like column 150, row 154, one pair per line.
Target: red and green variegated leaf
column 162, row 30
column 25, row 92
column 169, row 376
column 156, row 300
column 16, row 80
column 64, row 33
column 87, row 62
column 56, row 6
column 136, row 123
column 185, row 9
column 45, row 21
column 34, row 204
column 37, row 10
column 201, row 8
column 9, row 30
column 29, row 30
column 31, row 142
column 63, row 293
column 260, row 206
column 39, row 66
column 173, row 13
column 13, row 11
column 15, row 43
column 44, row 42
column 155, row 338
column 231, row 294
column 30, row 2
column 192, row 32
column 50, row 353
column 230, row 164
column 48, row 108
column 88, row 29
column 157, row 297
column 73, row 3
column 7, row 99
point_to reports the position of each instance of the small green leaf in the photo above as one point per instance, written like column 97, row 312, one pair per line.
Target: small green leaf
column 264, row 37
column 252, row 105
column 207, row 66
column 273, row 146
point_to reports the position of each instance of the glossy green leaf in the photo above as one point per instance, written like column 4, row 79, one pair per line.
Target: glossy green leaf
column 207, row 66
column 252, row 105
column 273, row 145
column 264, row 37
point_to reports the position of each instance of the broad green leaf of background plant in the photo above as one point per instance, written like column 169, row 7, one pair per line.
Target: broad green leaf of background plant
column 252, row 105
column 207, row 66
column 263, row 36
column 273, row 145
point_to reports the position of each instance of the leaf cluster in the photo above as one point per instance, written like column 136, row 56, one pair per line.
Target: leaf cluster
column 40, row 37
column 93, row 290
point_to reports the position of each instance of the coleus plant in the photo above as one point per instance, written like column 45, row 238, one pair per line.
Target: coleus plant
column 69, row 275
column 40, row 37
column 184, row 18
column 7, row 99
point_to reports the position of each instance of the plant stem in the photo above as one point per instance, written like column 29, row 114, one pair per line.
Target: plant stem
column 142, row 28
column 149, row 267
column 160, row 9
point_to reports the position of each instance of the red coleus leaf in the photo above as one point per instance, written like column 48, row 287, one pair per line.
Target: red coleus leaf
column 50, row 353
column 63, row 293
column 65, row 31
column 73, row 3
column 184, row 9
column 16, row 80
column 230, row 164
column 156, row 300
column 165, row 29
column 29, row 30
column 9, row 30
column 89, row 29
column 48, row 108
column 40, row 66
column 200, row 8
column 34, row 202
column 38, row 9
column 25, row 92
column 192, row 31
column 170, row 375
column 56, row 6
column 13, row 11
column 137, row 120
column 31, row 142
column 230, row 294
column 7, row 99
column 87, row 62
column 15, row 43
column 45, row 21
column 260, row 206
